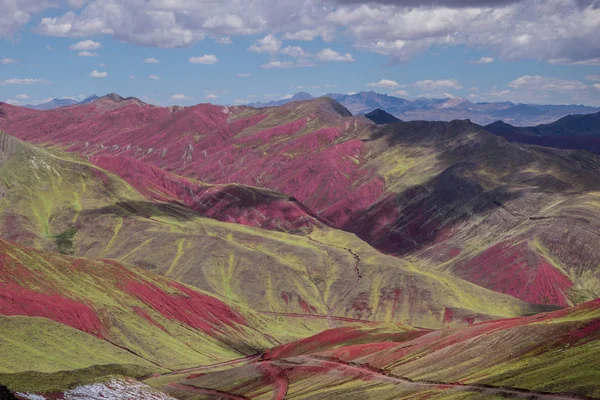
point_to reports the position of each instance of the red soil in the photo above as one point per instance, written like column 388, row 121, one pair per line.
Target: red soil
column 17, row 300
column 187, row 306
column 518, row 271
column 228, row 203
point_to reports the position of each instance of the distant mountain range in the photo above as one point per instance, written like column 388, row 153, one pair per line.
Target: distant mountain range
column 447, row 109
column 571, row 132
column 63, row 102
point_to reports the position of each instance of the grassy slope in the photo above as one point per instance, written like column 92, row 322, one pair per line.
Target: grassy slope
column 554, row 352
column 47, row 195
column 35, row 350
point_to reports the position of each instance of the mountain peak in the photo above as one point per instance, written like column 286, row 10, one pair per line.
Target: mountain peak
column 116, row 98
column 113, row 96
column 301, row 96
column 381, row 117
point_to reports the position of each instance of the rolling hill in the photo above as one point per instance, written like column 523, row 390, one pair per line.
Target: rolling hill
column 71, row 206
column 450, row 196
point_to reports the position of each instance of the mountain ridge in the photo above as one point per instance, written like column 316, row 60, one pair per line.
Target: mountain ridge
column 570, row 132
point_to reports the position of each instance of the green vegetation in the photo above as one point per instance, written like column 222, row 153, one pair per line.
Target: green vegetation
column 64, row 241
column 39, row 382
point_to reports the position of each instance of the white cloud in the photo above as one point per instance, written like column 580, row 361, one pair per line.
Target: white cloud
column 22, row 97
column 483, row 60
column 384, row 84
column 212, row 96
column 519, row 29
column 151, row 60
column 131, row 76
column 24, row 81
column 76, row 3
column 87, row 54
column 98, row 74
column 5, row 61
column 331, row 55
column 351, row 93
column 154, row 77
column 593, row 77
column 295, row 51
column 441, row 84
column 597, row 86
column 538, row 82
column 223, row 40
column 12, row 102
column 269, row 44
column 287, row 97
column 85, row 45
column 278, row 64
column 244, row 75
column 592, row 61
column 326, row 33
column 180, row 97
column 241, row 101
column 500, row 93
column 205, row 59
column 16, row 13
column 400, row 93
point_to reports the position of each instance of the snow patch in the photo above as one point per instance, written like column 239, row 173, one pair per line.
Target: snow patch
column 116, row 389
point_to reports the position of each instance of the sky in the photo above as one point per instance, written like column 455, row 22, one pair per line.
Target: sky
column 234, row 52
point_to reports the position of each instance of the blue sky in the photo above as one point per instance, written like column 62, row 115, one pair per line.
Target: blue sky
column 246, row 51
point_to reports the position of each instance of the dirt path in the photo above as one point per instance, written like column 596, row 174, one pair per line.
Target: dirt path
column 313, row 316
column 254, row 357
column 345, row 295
column 484, row 389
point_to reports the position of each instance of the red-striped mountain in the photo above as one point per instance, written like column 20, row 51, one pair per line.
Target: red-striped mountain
column 447, row 196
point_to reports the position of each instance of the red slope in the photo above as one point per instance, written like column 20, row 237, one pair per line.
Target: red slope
column 228, row 203
column 40, row 284
column 515, row 270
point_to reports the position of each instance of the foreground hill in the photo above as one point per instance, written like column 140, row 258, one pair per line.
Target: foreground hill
column 571, row 132
column 548, row 356
column 101, row 317
column 450, row 196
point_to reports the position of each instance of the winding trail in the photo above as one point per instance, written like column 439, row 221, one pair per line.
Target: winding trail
column 314, row 316
column 248, row 359
column 358, row 279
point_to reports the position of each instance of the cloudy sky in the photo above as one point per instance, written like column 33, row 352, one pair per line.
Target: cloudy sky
column 238, row 51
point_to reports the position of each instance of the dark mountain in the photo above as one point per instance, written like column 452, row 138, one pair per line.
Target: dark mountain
column 571, row 132
column 381, row 117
